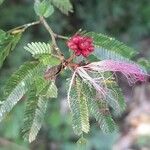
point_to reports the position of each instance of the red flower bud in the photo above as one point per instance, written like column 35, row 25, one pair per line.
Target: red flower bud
column 81, row 45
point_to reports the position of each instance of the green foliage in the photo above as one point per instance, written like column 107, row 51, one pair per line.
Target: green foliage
column 21, row 82
column 99, row 110
column 34, row 114
column 40, row 84
column 103, row 54
column 37, row 49
column 43, row 8
column 52, row 90
column 79, row 109
column 111, row 44
column 36, row 105
column 17, row 86
column 7, row 43
column 84, row 112
column 64, row 5
column 83, row 98
column 43, row 52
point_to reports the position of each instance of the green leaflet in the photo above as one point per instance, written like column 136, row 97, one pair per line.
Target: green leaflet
column 75, row 112
column 99, row 110
column 43, row 8
column 104, row 42
column 84, row 113
column 52, row 90
column 38, row 48
column 40, row 84
column 79, row 109
column 42, row 51
column 7, row 43
column 17, row 86
column 63, row 5
column 34, row 114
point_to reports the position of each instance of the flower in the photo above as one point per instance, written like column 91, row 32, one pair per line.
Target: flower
column 93, row 75
column 132, row 72
column 81, row 45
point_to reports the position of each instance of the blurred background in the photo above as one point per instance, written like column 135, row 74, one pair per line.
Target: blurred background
column 126, row 20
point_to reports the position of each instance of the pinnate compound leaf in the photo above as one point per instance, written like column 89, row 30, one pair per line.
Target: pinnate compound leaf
column 63, row 5
column 17, row 86
column 38, row 48
column 104, row 42
column 7, row 43
column 34, row 114
column 99, row 110
column 43, row 8
column 84, row 112
column 75, row 111
column 42, row 51
column 103, row 54
column 79, row 109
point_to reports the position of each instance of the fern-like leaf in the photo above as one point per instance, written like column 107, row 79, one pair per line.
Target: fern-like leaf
column 17, row 86
column 42, row 52
column 64, row 5
column 84, row 112
column 103, row 54
column 34, row 114
column 75, row 112
column 79, row 109
column 38, row 48
column 109, row 43
column 99, row 110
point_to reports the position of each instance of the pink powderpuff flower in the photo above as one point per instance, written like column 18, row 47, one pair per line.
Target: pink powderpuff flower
column 132, row 72
column 81, row 45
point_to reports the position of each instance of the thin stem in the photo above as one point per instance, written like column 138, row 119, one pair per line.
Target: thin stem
column 24, row 27
column 61, row 36
column 52, row 34
column 48, row 28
